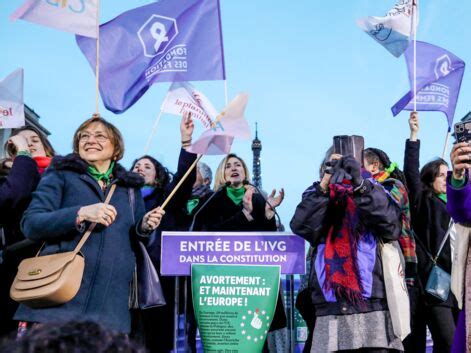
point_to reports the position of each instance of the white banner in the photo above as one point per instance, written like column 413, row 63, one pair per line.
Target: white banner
column 12, row 113
column 183, row 97
column 76, row 16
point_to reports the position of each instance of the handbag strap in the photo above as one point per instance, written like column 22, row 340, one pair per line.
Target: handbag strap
column 442, row 244
column 445, row 238
column 92, row 226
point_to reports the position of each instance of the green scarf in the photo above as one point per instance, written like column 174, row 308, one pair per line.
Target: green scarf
column 191, row 204
column 106, row 176
column 442, row 197
column 236, row 195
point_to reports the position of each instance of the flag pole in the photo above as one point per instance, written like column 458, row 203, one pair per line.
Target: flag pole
column 448, row 133
column 152, row 134
column 225, row 92
column 414, row 28
column 97, row 64
column 175, row 189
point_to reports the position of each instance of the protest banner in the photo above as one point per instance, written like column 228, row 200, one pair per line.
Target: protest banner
column 234, row 305
column 12, row 114
column 181, row 249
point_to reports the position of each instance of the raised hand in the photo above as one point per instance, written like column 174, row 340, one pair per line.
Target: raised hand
column 152, row 219
column 99, row 213
column 19, row 142
column 414, row 125
column 353, row 169
column 186, row 129
column 273, row 202
column 460, row 159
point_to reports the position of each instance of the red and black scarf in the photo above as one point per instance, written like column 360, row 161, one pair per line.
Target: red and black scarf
column 341, row 266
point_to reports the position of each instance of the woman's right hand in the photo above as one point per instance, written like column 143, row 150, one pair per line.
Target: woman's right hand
column 460, row 159
column 99, row 213
column 247, row 200
column 20, row 143
column 414, row 125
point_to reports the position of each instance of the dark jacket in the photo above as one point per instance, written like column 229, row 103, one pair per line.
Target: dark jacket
column 430, row 221
column 223, row 215
column 109, row 259
column 379, row 216
column 16, row 191
column 15, row 195
column 173, row 210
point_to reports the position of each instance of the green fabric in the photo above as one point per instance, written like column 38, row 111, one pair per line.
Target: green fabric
column 106, row 176
column 456, row 183
column 236, row 195
column 392, row 167
column 191, row 204
column 442, row 197
column 24, row 153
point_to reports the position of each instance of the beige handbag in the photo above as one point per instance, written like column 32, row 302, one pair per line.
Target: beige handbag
column 51, row 280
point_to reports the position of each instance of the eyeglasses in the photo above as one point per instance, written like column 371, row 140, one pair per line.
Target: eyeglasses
column 85, row 137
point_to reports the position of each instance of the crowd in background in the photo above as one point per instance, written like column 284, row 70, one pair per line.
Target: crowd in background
column 47, row 202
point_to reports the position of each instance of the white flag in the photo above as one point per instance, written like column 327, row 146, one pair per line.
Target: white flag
column 183, row 97
column 12, row 111
column 76, row 16
column 393, row 30
column 231, row 124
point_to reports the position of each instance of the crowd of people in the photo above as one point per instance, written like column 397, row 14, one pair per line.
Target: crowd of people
column 48, row 202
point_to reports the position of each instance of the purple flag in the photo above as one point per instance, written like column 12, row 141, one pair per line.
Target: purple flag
column 167, row 41
column 439, row 75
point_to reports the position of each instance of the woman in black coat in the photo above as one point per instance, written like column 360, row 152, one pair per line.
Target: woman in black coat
column 30, row 154
column 158, row 323
column 69, row 197
column 430, row 222
column 237, row 206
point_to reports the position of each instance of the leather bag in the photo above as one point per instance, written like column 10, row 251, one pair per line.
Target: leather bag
column 44, row 281
column 146, row 290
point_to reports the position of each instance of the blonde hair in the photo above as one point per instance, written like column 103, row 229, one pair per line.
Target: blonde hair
column 219, row 176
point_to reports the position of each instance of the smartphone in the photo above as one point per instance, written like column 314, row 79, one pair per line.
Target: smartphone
column 349, row 145
column 463, row 131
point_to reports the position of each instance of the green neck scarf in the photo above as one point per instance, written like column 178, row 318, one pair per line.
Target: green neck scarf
column 236, row 195
column 191, row 204
column 106, row 176
column 442, row 197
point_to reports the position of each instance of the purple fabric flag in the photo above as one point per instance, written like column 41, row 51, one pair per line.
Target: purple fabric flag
column 439, row 75
column 167, row 41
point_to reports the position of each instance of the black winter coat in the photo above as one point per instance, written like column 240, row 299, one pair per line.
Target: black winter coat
column 430, row 221
column 379, row 216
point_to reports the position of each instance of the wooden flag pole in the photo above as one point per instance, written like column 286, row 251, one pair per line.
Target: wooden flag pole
column 175, row 189
column 97, row 64
column 152, row 134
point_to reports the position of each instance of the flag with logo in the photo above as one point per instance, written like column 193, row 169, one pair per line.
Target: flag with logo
column 182, row 98
column 165, row 41
column 439, row 76
column 12, row 113
column 76, row 16
column 393, row 30
column 232, row 124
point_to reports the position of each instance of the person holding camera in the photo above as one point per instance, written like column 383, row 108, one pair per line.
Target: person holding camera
column 430, row 223
column 345, row 217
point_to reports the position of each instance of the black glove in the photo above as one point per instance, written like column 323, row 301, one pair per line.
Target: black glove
column 353, row 169
column 338, row 173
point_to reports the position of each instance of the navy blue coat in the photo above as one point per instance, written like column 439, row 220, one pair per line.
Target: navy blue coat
column 109, row 258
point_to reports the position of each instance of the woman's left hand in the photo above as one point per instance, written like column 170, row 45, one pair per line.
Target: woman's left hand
column 152, row 220
column 186, row 129
column 273, row 201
